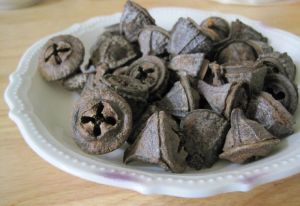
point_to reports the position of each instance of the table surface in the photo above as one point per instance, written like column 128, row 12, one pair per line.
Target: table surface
column 26, row 179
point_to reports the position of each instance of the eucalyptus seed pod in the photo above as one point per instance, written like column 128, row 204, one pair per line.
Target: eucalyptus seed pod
column 186, row 37
column 153, row 40
column 189, row 63
column 271, row 114
column 204, row 134
column 134, row 18
column 217, row 28
column 283, row 90
column 75, row 82
column 111, row 50
column 242, row 31
column 159, row 143
column 279, row 63
column 253, row 74
column 181, row 99
column 223, row 99
column 247, row 140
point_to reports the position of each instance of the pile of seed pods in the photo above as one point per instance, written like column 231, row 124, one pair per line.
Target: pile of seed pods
column 180, row 98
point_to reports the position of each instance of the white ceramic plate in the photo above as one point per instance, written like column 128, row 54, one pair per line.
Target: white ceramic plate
column 42, row 113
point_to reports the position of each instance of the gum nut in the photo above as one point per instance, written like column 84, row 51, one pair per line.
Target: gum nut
column 190, row 63
column 60, row 57
column 134, row 18
column 283, row 90
column 75, row 82
column 271, row 114
column 204, row 134
column 247, row 140
column 102, row 121
column 253, row 74
column 114, row 50
column 152, row 72
column 159, row 143
column 186, row 37
column 153, row 40
column 218, row 25
column 181, row 99
column 240, row 30
column 223, row 99
column 279, row 63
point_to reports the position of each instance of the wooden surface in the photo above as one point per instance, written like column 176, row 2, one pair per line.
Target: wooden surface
column 26, row 179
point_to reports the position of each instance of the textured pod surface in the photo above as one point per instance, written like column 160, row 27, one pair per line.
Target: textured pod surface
column 186, row 37
column 204, row 135
column 254, row 75
column 283, row 90
column 279, row 63
column 240, row 30
column 60, row 57
column 247, row 139
column 114, row 50
column 159, row 143
column 190, row 63
column 181, row 99
column 152, row 72
column 75, row 82
column 223, row 99
column 271, row 114
column 102, row 121
column 133, row 20
column 153, row 40
column 218, row 26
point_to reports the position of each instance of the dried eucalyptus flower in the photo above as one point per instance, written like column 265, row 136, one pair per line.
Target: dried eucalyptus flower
column 283, row 90
column 223, row 99
column 271, row 114
column 153, row 40
column 204, row 135
column 279, row 63
column 158, row 143
column 186, row 37
column 102, row 121
column 181, row 99
column 190, row 63
column 133, row 20
column 247, row 140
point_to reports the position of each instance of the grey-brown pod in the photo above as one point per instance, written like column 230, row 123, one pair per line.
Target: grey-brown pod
column 152, row 72
column 242, row 31
column 190, row 63
column 271, row 114
column 112, row 50
column 158, row 143
column 204, row 134
column 114, row 28
column 283, row 90
column 247, row 140
column 153, row 40
column 181, row 99
column 75, row 82
column 134, row 18
column 186, row 37
column 279, row 63
column 217, row 27
column 253, row 74
column 60, row 57
column 237, row 51
column 223, row 99
column 102, row 121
